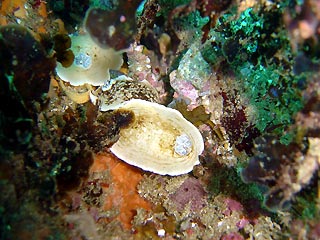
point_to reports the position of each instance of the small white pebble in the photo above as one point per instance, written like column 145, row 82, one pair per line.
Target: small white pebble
column 161, row 232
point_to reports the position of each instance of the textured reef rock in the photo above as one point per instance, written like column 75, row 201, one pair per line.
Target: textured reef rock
column 21, row 71
column 190, row 192
column 114, row 28
column 245, row 74
column 190, row 80
column 284, row 169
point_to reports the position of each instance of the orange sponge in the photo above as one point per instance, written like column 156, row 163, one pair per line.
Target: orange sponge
column 124, row 195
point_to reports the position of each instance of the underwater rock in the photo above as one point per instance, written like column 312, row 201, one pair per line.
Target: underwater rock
column 190, row 79
column 143, row 66
column 121, row 89
column 114, row 28
column 24, row 65
column 30, row 68
column 284, row 169
column 159, row 140
column 190, row 191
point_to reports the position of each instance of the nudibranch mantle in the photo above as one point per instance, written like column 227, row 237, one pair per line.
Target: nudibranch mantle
column 159, row 140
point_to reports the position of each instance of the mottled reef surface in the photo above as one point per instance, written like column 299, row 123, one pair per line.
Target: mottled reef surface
column 244, row 73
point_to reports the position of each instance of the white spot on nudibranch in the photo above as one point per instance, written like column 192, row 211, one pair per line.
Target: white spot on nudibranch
column 83, row 60
column 91, row 64
column 183, row 145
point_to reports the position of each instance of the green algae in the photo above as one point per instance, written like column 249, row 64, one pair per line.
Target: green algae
column 193, row 22
column 168, row 5
column 274, row 97
column 257, row 50
column 105, row 5
column 305, row 206
column 228, row 181
column 183, row 19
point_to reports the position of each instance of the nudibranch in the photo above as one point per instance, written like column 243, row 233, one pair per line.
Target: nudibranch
column 91, row 63
column 159, row 139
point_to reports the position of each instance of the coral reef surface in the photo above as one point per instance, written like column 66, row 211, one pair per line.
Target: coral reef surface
column 245, row 76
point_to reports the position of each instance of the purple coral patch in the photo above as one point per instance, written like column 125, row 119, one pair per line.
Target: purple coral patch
column 232, row 236
column 192, row 191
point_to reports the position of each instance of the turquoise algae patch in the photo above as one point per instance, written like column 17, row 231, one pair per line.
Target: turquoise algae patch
column 257, row 48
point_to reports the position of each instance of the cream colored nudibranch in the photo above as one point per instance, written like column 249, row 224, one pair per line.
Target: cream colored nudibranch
column 159, row 140
column 91, row 63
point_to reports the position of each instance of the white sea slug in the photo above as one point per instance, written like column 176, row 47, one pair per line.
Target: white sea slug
column 91, row 62
column 159, row 140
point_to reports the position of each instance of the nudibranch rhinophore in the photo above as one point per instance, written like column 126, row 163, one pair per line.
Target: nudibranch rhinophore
column 159, row 140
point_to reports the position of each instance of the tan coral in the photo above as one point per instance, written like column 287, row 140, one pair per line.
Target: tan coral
column 159, row 140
